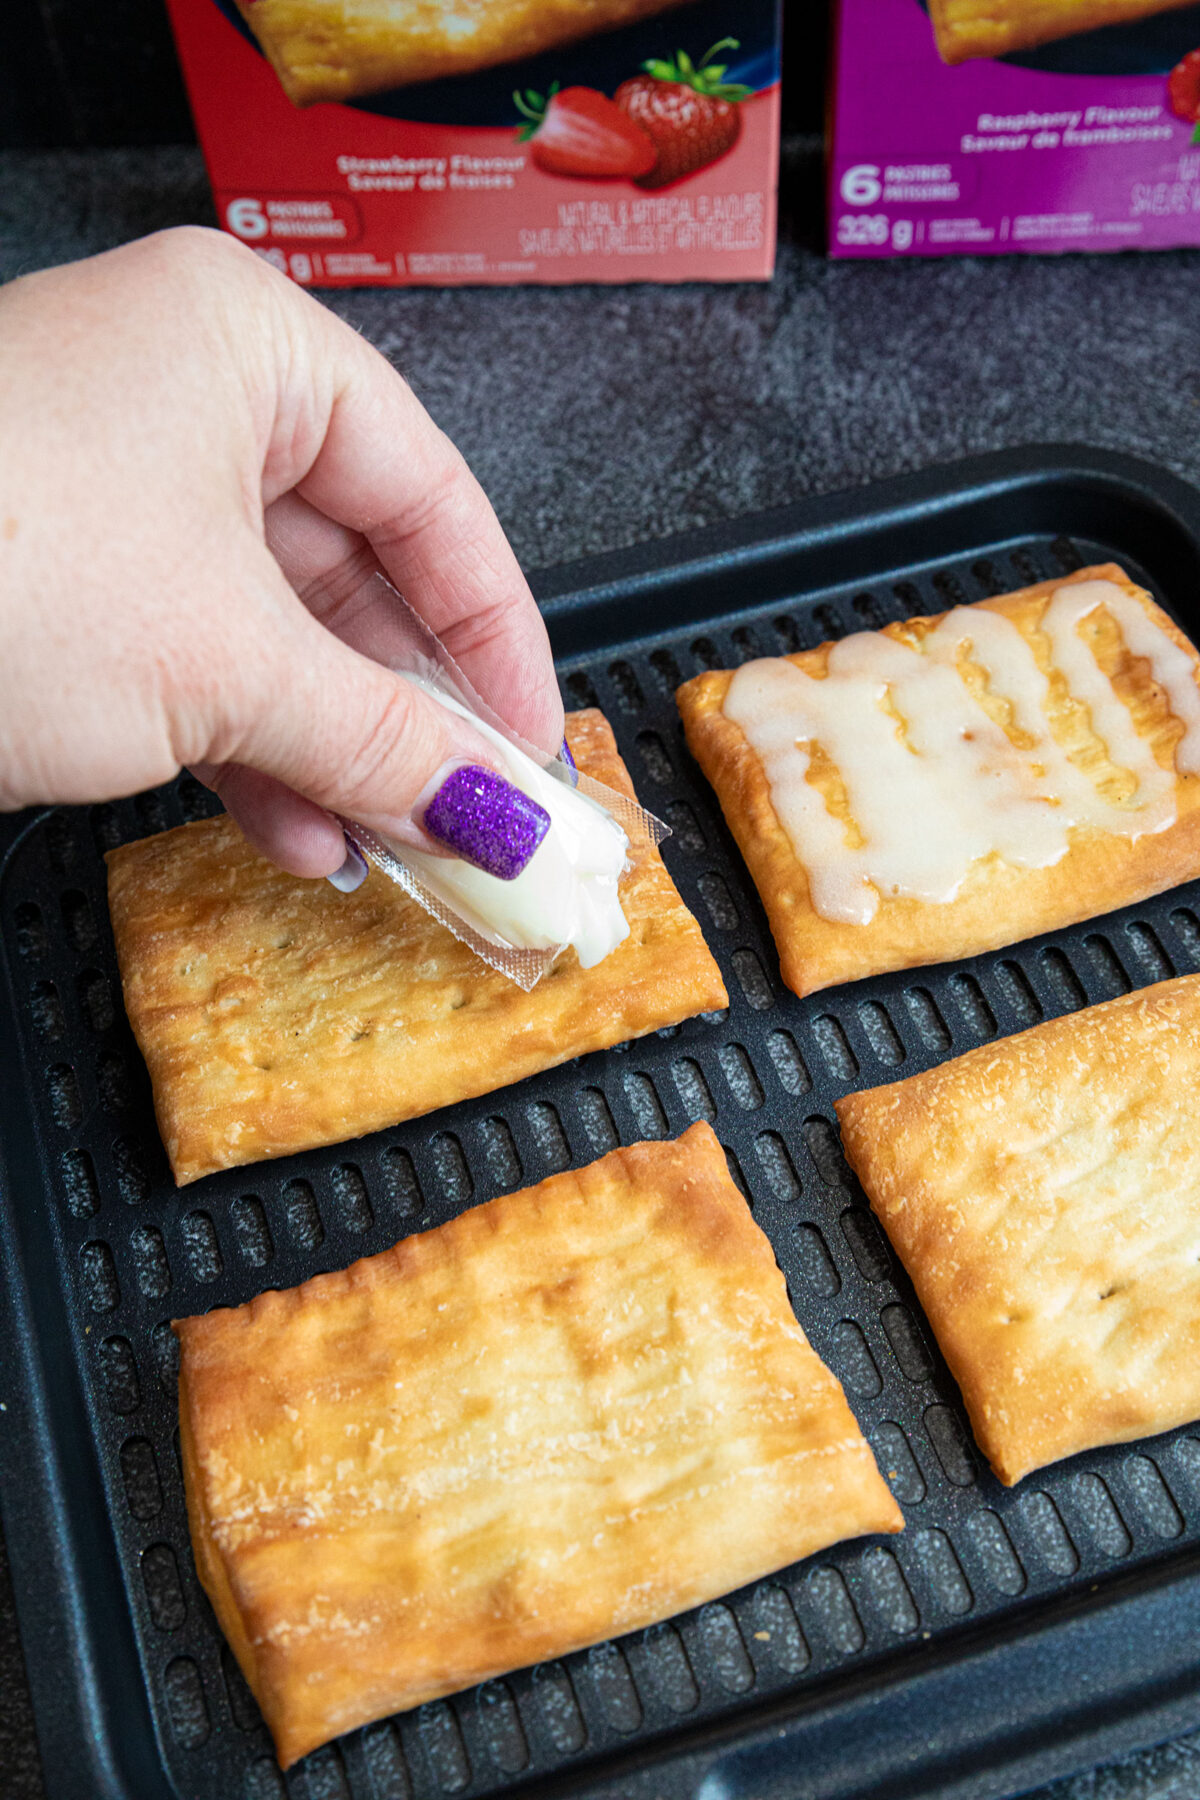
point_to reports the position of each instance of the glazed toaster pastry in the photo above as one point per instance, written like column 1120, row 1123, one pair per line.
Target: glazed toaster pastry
column 103, row 1251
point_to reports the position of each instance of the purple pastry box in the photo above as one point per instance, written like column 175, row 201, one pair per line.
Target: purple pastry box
column 960, row 127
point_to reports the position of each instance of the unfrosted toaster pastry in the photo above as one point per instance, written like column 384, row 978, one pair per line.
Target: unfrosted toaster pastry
column 334, row 49
column 954, row 783
column 970, row 28
column 275, row 1014
column 1044, row 1195
column 564, row 1415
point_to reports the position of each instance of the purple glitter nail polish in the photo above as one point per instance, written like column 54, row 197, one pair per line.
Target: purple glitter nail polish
column 487, row 821
column 566, row 756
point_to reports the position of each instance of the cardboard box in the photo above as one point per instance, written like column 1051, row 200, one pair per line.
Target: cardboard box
column 393, row 142
column 984, row 126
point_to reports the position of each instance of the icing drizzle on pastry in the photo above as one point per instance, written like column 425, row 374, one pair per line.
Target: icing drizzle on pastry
column 931, row 782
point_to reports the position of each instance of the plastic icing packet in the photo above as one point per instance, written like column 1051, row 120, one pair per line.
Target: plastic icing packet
column 566, row 895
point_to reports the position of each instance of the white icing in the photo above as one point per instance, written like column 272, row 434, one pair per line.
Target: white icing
column 566, row 893
column 931, row 782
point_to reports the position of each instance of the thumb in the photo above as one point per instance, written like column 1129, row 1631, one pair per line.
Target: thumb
column 319, row 729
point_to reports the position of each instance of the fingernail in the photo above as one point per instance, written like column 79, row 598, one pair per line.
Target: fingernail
column 565, row 754
column 352, row 873
column 486, row 820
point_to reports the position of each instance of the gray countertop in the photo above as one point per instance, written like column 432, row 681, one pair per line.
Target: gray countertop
column 599, row 417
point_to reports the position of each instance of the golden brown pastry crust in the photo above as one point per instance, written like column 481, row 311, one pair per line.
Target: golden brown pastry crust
column 334, row 49
column 275, row 1014
column 970, row 28
column 566, row 1414
column 1044, row 1195
column 997, row 902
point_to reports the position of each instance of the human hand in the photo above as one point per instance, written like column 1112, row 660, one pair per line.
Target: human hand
column 198, row 465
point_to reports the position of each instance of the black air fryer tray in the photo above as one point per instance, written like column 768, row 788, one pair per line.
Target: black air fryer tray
column 1004, row 1637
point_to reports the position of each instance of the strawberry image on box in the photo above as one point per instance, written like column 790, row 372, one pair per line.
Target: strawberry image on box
column 407, row 141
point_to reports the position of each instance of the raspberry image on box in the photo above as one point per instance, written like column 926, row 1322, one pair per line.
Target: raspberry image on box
column 328, row 50
column 965, row 29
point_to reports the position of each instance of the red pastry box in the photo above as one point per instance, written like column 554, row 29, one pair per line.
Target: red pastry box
column 394, row 142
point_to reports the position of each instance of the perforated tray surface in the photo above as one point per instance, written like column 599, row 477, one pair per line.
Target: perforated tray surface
column 1003, row 1636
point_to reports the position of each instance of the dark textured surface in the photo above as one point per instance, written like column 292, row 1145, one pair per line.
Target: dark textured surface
column 600, row 417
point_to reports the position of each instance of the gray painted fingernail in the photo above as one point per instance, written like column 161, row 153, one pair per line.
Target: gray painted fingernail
column 352, row 873
column 486, row 821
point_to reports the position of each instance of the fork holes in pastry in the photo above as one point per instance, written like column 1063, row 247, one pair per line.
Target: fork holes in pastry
column 776, row 1629
column 79, row 1184
column 835, row 1049
column 151, row 1269
column 772, row 1153
column 303, row 1218
column 923, row 1010
column 1147, row 947
column 612, row 1684
column 559, row 1708
column 500, row 1723
column 833, row 1608
column 353, row 1201
column 545, row 1127
column 644, row 1104
column 943, row 1571
column 951, row 1444
column 670, row 1670
column 1107, row 965
column 855, row 1364
column 453, row 1173
column 1062, row 980
column 719, row 901
column 187, row 1707
column 694, row 1090
column 740, row 1076
column 753, row 979
column 900, row 1467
